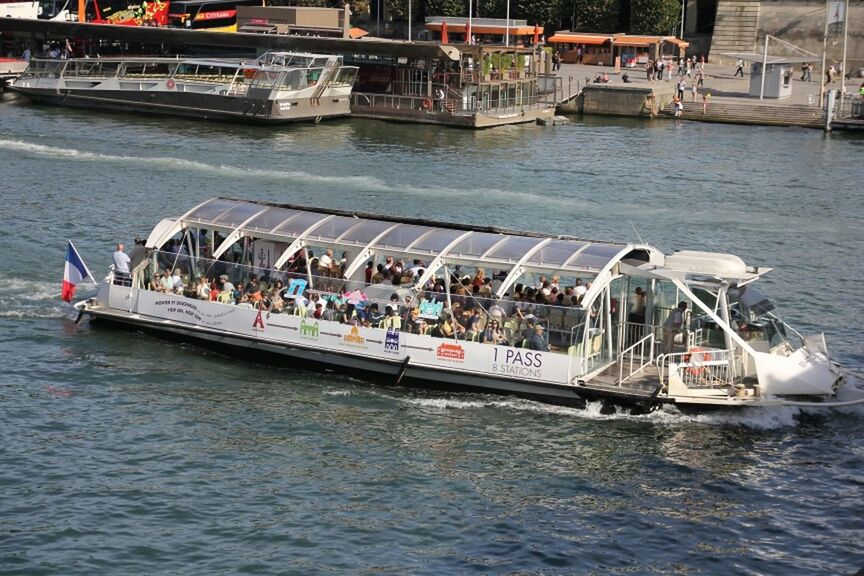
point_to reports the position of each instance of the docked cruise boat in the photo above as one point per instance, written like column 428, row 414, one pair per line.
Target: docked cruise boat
column 554, row 318
column 276, row 87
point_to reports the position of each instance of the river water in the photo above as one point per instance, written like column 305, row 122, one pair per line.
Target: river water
column 121, row 453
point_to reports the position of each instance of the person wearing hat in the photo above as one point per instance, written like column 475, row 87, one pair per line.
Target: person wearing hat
column 227, row 285
column 536, row 341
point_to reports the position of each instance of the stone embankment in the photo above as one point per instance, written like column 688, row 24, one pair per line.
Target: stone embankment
column 746, row 113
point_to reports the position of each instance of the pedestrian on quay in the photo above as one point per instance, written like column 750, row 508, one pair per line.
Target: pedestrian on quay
column 682, row 85
column 679, row 107
column 805, row 72
column 700, row 77
column 705, row 98
column 740, row 68
column 829, row 74
column 649, row 70
column 694, row 91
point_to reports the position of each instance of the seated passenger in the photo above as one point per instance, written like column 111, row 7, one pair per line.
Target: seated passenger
column 391, row 319
column 202, row 289
column 472, row 324
column 156, row 283
column 375, row 315
column 535, row 341
column 492, row 334
column 167, row 282
column 227, row 286
column 318, row 314
column 177, row 281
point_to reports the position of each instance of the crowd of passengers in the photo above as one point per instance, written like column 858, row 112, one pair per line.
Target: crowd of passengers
column 474, row 312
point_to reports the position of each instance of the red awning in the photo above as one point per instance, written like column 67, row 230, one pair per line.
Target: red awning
column 579, row 39
column 357, row 33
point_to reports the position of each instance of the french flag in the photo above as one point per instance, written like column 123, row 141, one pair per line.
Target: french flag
column 74, row 272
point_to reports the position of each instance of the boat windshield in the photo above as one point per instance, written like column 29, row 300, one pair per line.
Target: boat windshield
column 44, row 69
column 750, row 314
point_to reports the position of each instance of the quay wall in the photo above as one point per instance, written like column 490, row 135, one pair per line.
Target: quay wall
column 618, row 100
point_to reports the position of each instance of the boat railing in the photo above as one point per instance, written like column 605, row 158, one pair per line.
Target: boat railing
column 698, row 369
column 635, row 358
column 564, row 326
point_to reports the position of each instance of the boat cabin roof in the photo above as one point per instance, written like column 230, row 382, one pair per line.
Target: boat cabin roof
column 411, row 237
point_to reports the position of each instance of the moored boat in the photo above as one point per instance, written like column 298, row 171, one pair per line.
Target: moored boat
column 555, row 318
column 276, row 87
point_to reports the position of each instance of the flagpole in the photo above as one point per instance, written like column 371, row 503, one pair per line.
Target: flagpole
column 89, row 275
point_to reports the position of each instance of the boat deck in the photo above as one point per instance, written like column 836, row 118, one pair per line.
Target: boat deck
column 644, row 384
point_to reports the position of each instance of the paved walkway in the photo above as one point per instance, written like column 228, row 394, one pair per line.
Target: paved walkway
column 720, row 82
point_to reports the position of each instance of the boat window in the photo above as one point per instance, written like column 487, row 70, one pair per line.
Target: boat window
column 476, row 244
column 313, row 75
column 346, row 76
column 556, row 253
column 300, row 224
column 272, row 218
column 237, row 215
column 596, row 256
column 514, row 248
column 266, row 80
column 44, row 68
column 333, row 228
column 437, row 240
column 365, row 232
column 753, row 303
column 295, row 80
column 402, row 236
column 211, row 210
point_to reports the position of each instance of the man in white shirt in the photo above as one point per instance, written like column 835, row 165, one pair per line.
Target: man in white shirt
column 177, row 280
column 325, row 263
column 121, row 264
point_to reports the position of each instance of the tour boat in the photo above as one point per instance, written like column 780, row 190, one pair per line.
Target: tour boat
column 276, row 87
column 19, row 8
column 610, row 342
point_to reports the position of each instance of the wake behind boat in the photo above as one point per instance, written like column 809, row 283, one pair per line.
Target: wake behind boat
column 554, row 318
column 276, row 87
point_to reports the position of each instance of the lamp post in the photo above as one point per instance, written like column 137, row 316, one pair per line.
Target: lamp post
column 470, row 17
column 507, row 27
column 378, row 20
column 683, row 4
column 409, row 20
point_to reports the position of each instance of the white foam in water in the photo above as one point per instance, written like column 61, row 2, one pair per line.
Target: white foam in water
column 756, row 418
column 355, row 182
column 190, row 165
column 20, row 298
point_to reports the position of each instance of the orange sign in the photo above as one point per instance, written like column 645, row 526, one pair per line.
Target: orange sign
column 452, row 352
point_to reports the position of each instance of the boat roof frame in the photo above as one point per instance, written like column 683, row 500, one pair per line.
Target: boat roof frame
column 498, row 248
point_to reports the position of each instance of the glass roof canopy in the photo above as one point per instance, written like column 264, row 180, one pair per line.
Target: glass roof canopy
column 412, row 238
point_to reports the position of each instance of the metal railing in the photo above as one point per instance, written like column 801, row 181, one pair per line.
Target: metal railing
column 698, row 369
column 637, row 357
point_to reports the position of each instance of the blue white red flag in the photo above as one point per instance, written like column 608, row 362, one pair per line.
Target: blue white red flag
column 74, row 272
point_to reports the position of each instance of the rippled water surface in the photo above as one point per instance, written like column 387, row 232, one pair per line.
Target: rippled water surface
column 124, row 454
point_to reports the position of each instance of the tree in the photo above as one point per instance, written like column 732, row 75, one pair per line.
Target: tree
column 596, row 15
column 654, row 16
column 541, row 12
column 452, row 8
